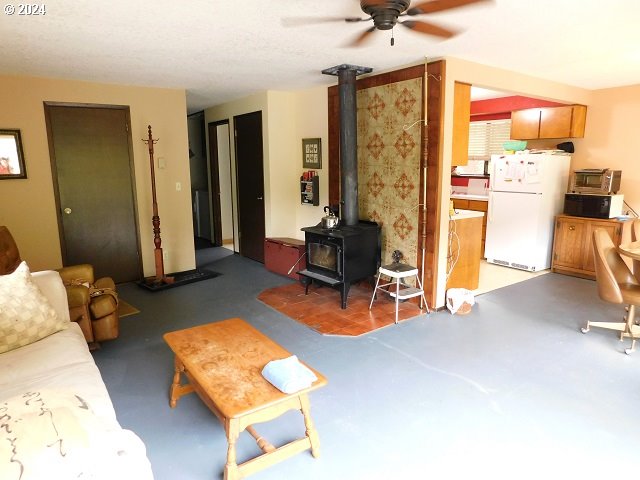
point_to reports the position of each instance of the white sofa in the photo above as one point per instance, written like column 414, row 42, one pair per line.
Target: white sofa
column 57, row 365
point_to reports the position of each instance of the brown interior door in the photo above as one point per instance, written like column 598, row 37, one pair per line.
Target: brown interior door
column 250, row 179
column 90, row 149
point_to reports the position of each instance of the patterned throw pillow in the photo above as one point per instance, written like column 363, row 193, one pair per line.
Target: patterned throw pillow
column 53, row 434
column 26, row 315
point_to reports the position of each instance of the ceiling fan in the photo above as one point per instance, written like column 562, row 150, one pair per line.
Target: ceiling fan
column 386, row 13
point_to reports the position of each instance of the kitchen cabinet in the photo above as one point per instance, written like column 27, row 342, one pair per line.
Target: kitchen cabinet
column 573, row 247
column 461, row 119
column 549, row 122
column 478, row 206
column 464, row 255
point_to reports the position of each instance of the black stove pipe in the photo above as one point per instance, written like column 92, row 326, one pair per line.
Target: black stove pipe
column 348, row 140
column 348, row 146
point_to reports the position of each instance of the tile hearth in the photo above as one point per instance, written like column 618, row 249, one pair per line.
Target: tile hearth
column 320, row 309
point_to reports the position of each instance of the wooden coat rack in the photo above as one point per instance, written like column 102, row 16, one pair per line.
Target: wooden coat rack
column 157, row 241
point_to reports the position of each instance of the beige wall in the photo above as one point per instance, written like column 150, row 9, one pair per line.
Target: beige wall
column 282, row 172
column 612, row 138
column 312, row 121
column 28, row 206
column 287, row 117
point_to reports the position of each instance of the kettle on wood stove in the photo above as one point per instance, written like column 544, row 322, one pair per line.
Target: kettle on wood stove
column 329, row 221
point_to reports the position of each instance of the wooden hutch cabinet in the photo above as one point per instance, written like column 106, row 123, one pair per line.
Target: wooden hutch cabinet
column 549, row 122
column 573, row 247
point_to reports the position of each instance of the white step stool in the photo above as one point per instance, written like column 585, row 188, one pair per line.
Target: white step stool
column 399, row 271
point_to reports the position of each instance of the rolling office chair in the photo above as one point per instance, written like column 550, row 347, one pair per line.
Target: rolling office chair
column 616, row 284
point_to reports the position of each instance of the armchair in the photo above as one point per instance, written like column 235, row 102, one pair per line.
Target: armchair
column 635, row 237
column 94, row 299
column 616, row 284
column 93, row 304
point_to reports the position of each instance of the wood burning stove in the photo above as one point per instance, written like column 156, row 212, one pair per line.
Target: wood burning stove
column 341, row 256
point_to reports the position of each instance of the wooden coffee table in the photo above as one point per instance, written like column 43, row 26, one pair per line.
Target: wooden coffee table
column 222, row 363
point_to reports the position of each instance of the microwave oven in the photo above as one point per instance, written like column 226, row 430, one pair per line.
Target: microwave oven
column 593, row 206
column 595, row 180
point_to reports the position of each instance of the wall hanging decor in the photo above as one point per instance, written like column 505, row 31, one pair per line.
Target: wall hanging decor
column 11, row 156
column 311, row 153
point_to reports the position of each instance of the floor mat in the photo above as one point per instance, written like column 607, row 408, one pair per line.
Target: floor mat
column 179, row 279
column 320, row 309
column 125, row 309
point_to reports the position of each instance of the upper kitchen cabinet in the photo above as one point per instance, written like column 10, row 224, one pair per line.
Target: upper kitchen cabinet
column 461, row 116
column 549, row 122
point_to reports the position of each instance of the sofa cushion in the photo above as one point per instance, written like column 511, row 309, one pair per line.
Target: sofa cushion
column 26, row 315
column 55, row 434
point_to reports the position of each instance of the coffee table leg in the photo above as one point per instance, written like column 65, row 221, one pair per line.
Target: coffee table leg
column 231, row 468
column 177, row 390
column 311, row 432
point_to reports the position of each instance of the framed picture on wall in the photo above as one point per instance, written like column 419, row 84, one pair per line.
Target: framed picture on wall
column 311, row 153
column 11, row 157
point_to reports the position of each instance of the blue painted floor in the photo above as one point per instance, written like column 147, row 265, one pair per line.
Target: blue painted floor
column 512, row 390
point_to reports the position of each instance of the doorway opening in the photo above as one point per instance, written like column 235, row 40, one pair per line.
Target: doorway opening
column 472, row 184
column 220, row 180
column 200, row 196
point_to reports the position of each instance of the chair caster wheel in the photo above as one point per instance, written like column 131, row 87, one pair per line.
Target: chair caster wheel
column 628, row 351
column 584, row 329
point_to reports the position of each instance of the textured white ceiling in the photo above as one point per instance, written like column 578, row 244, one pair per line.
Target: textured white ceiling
column 223, row 50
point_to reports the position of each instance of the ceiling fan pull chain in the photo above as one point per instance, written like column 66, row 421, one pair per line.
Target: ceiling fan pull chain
column 392, row 39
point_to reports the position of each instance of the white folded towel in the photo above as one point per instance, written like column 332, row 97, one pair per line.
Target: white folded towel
column 288, row 375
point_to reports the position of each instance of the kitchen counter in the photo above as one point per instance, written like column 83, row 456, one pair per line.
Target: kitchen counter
column 460, row 214
column 468, row 196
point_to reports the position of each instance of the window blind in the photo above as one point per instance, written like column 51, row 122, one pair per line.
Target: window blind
column 487, row 137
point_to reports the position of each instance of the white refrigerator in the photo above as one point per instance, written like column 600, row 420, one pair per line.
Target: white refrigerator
column 526, row 192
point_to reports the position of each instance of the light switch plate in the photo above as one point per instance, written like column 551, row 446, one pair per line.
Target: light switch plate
column 178, row 186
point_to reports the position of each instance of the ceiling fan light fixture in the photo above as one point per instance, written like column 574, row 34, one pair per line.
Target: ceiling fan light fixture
column 385, row 15
column 369, row 6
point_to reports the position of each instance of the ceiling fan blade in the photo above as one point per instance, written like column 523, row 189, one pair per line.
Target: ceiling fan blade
column 356, row 19
column 299, row 21
column 428, row 28
column 439, row 5
column 362, row 37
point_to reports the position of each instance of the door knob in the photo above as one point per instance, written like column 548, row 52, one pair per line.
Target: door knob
column 259, row 198
column 67, row 210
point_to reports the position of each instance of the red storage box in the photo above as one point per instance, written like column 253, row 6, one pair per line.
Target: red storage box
column 280, row 254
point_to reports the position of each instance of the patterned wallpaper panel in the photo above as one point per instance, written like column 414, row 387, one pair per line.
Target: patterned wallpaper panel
column 389, row 164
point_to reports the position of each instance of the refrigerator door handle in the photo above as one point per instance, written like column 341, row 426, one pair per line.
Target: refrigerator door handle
column 490, row 206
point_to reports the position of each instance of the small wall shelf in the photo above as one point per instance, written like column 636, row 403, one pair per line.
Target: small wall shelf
column 310, row 191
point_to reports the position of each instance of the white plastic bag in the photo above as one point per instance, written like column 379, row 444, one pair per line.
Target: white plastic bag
column 459, row 297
